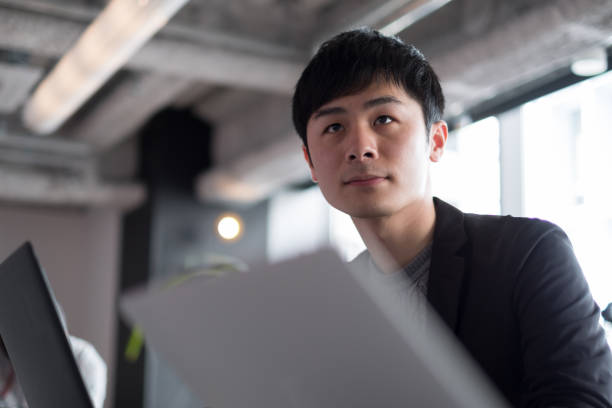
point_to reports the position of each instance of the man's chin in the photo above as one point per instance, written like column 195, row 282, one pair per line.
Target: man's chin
column 366, row 211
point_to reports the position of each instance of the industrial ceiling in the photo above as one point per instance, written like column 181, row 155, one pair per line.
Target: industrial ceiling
column 234, row 63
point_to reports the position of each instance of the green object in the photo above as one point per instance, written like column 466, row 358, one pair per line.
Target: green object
column 134, row 345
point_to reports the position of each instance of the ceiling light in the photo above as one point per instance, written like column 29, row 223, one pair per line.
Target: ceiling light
column 229, row 227
column 110, row 40
column 590, row 62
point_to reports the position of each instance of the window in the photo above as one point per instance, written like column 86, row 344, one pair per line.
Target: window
column 468, row 176
column 567, row 173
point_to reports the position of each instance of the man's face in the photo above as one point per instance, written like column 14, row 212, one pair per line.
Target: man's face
column 370, row 153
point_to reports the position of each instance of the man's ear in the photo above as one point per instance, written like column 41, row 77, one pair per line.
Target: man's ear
column 437, row 140
column 309, row 162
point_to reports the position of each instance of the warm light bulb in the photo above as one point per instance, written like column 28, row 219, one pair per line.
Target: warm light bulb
column 229, row 227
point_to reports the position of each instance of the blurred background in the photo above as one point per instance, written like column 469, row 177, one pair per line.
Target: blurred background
column 129, row 129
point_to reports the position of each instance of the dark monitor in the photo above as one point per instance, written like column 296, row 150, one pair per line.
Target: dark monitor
column 34, row 336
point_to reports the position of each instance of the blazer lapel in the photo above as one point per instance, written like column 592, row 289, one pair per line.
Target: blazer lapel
column 447, row 267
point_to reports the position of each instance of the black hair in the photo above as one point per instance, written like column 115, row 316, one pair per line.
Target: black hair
column 350, row 61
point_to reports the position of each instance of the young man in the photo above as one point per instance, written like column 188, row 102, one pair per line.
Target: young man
column 368, row 109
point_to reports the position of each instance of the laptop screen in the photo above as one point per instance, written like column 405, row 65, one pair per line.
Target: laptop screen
column 34, row 337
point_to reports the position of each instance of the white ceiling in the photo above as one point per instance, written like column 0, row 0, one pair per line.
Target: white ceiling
column 235, row 64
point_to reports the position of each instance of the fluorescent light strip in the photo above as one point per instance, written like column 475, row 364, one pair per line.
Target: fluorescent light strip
column 120, row 30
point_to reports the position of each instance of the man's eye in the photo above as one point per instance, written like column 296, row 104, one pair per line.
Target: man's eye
column 336, row 127
column 383, row 120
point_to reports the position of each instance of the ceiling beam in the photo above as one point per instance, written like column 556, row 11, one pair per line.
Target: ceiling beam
column 219, row 39
column 44, row 188
column 218, row 66
column 122, row 111
column 248, row 123
column 46, row 152
column 216, row 59
column 58, row 172
column 16, row 82
column 256, row 175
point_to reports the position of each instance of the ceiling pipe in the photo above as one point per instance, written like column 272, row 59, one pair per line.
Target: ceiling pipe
column 414, row 11
column 390, row 17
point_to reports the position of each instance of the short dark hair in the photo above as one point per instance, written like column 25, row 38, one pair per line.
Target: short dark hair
column 350, row 61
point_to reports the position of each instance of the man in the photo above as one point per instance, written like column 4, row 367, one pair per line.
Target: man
column 368, row 109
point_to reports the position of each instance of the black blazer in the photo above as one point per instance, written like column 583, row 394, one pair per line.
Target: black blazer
column 513, row 293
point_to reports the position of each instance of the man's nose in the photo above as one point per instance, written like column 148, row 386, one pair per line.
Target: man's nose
column 362, row 145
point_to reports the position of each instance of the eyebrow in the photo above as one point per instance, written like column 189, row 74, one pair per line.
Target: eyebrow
column 381, row 101
column 329, row 111
column 367, row 105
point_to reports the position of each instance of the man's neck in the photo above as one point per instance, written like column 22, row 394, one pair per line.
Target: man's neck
column 396, row 240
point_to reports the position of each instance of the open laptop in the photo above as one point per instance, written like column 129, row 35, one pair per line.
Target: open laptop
column 35, row 339
column 304, row 333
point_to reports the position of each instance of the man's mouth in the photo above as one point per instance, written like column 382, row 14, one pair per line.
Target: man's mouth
column 365, row 180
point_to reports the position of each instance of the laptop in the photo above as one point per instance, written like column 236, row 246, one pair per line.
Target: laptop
column 34, row 337
column 305, row 333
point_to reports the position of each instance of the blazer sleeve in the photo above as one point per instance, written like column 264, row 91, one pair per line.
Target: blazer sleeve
column 566, row 358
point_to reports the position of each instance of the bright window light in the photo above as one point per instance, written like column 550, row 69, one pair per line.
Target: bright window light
column 344, row 236
column 468, row 176
column 567, row 168
column 298, row 223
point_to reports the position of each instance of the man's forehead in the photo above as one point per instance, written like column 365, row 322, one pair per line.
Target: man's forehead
column 373, row 95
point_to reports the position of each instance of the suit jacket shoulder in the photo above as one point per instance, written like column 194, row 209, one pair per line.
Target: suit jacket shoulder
column 513, row 293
